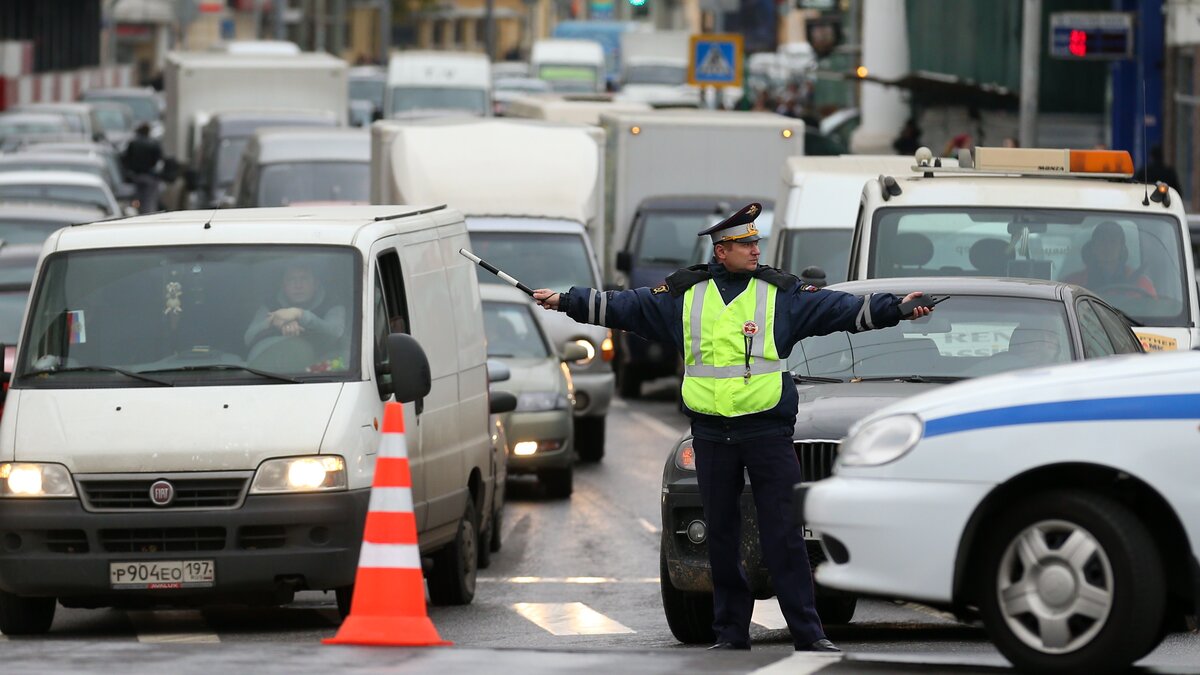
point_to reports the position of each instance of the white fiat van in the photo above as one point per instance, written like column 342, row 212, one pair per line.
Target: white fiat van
column 196, row 403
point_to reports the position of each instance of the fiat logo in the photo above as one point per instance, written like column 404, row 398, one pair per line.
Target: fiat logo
column 162, row 493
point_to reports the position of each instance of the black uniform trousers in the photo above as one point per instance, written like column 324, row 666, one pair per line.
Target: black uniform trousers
column 774, row 472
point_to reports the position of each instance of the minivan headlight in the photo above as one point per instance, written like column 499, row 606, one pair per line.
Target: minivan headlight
column 314, row 473
column 881, row 441
column 24, row 479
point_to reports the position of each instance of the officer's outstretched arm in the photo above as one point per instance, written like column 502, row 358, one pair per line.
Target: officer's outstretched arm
column 814, row 311
column 650, row 315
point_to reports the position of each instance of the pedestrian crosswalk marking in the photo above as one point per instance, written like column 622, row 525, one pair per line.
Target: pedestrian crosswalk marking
column 174, row 626
column 714, row 64
column 800, row 663
column 569, row 618
column 768, row 615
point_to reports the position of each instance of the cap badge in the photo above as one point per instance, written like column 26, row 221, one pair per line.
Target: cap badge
column 749, row 329
column 752, row 210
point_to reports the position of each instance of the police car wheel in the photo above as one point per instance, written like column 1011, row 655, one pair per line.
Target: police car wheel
column 689, row 614
column 455, row 567
column 1071, row 582
column 25, row 616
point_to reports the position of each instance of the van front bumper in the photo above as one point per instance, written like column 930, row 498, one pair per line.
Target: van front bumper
column 271, row 545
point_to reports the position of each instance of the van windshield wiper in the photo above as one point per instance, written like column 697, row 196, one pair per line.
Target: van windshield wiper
column 671, row 261
column 814, row 378
column 98, row 369
column 225, row 366
column 909, row 378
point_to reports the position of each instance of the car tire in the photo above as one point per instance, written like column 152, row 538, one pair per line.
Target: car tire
column 629, row 385
column 344, row 596
column 559, row 483
column 455, row 567
column 495, row 541
column 25, row 616
column 1104, row 598
column 689, row 614
column 836, row 609
column 589, row 438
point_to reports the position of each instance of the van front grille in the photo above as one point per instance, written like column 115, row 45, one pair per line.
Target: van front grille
column 163, row 539
column 216, row 490
column 816, row 458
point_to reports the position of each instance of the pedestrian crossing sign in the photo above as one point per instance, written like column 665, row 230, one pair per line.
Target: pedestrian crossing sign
column 715, row 60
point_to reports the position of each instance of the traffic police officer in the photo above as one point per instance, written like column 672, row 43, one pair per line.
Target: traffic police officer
column 735, row 322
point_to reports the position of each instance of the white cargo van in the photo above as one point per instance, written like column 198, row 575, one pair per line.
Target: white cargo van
column 290, row 166
column 434, row 84
column 533, row 196
column 196, row 405
column 569, row 65
column 814, row 215
column 1066, row 215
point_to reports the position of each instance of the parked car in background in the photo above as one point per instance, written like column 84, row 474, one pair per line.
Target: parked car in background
column 116, row 122
column 1057, row 505
column 32, row 223
column 144, row 104
column 18, row 128
column 986, row 326
column 59, row 187
column 91, row 164
column 107, row 153
column 81, row 118
column 542, row 427
column 284, row 166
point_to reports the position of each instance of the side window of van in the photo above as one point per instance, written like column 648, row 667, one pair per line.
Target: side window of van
column 391, row 314
column 383, row 375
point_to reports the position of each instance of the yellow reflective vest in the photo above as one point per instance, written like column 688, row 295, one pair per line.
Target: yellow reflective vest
column 731, row 366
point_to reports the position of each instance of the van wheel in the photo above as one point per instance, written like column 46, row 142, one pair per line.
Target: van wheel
column 25, row 616
column 452, row 580
column 689, row 614
column 558, row 482
column 589, row 438
column 1071, row 582
column 344, row 596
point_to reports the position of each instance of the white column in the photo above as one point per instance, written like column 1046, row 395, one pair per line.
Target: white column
column 885, row 55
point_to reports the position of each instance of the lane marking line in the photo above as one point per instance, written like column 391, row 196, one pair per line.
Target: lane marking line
column 768, row 615
column 656, row 426
column 569, row 618
column 800, row 663
column 186, row 626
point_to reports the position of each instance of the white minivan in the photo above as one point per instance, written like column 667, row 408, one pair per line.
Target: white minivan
column 435, row 84
column 281, row 334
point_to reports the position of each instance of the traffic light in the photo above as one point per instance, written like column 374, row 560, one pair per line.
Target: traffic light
column 641, row 10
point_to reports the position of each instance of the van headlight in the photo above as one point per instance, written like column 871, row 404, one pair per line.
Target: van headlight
column 587, row 347
column 21, row 479
column 881, row 441
column 315, row 473
column 537, row 401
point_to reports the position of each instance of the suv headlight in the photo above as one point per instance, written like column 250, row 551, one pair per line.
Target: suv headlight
column 882, row 441
column 314, row 473
column 22, row 479
column 536, row 401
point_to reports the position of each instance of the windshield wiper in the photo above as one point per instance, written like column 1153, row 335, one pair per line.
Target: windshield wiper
column 815, row 378
column 671, row 261
column 98, row 369
column 225, row 366
column 910, row 378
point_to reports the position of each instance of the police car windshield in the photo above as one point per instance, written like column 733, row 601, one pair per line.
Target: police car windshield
column 827, row 249
column 967, row 336
column 512, row 332
column 193, row 315
column 537, row 259
column 1132, row 260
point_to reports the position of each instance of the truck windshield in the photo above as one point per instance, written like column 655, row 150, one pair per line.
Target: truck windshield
column 193, row 315
column 827, row 249
column 417, row 99
column 296, row 182
column 968, row 336
column 1133, row 260
column 569, row 78
column 512, row 332
column 539, row 260
column 656, row 74
column 669, row 237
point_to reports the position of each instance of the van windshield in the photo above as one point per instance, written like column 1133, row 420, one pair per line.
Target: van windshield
column 297, row 182
column 193, row 315
column 669, row 237
column 1134, row 261
column 569, row 78
column 827, row 249
column 417, row 99
column 537, row 259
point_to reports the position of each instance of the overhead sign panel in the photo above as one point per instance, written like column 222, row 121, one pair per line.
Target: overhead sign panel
column 715, row 60
column 1092, row 36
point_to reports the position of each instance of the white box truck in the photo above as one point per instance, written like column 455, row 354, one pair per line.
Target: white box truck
column 533, row 194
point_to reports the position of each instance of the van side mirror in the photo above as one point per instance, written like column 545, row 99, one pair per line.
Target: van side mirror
column 409, row 368
column 497, row 371
column 501, row 402
column 573, row 351
column 624, row 261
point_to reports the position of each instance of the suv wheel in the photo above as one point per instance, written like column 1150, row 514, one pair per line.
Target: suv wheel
column 589, row 438
column 1071, row 582
column 689, row 614
column 25, row 616
column 452, row 581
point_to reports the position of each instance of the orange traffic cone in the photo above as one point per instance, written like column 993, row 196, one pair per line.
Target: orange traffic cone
column 389, row 591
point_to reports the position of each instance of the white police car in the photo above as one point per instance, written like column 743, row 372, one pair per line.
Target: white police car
column 1059, row 504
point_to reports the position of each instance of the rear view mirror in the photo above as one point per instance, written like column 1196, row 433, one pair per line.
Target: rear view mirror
column 574, row 352
column 409, row 368
column 624, row 261
column 497, row 371
column 501, row 402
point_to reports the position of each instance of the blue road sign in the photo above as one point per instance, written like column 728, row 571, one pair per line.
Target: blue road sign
column 715, row 60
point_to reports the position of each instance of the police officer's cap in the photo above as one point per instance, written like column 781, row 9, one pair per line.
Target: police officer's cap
column 738, row 227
